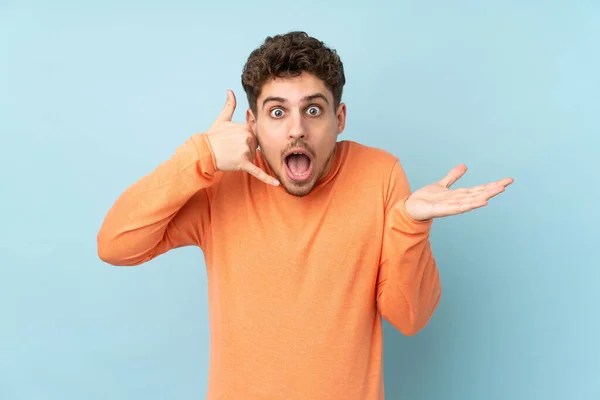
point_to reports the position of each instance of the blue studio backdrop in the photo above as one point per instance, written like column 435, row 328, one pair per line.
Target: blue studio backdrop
column 93, row 95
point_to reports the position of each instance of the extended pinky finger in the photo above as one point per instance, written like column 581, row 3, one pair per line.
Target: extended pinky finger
column 471, row 205
column 492, row 192
column 260, row 174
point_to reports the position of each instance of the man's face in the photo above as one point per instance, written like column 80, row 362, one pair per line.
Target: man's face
column 297, row 115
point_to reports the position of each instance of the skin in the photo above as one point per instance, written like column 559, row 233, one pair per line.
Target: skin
column 438, row 200
column 297, row 112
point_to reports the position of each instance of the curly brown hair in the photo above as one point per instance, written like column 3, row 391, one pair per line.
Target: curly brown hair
column 288, row 55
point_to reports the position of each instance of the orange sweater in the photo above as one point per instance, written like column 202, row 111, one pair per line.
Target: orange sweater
column 296, row 286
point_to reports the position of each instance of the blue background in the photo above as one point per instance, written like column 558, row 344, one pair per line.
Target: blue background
column 93, row 95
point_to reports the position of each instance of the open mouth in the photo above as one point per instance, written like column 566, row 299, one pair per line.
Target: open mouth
column 298, row 165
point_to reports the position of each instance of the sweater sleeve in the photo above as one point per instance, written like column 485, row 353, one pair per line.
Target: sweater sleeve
column 165, row 209
column 408, row 286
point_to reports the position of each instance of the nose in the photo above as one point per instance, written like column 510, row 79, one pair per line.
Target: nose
column 297, row 130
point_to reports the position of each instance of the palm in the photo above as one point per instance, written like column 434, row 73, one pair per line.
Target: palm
column 437, row 200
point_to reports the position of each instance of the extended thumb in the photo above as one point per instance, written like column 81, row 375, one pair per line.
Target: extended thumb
column 229, row 108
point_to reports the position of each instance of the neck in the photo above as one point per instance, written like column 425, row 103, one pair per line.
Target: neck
column 329, row 164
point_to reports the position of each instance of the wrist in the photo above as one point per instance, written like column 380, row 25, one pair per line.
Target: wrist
column 412, row 211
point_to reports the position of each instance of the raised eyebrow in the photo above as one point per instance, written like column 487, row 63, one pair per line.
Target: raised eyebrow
column 273, row 98
column 306, row 99
column 316, row 96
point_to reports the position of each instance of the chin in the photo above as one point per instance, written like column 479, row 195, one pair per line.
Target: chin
column 298, row 190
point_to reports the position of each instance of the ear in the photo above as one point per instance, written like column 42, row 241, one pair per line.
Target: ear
column 341, row 117
column 251, row 121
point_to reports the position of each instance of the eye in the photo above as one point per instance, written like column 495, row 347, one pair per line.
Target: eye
column 277, row 113
column 314, row 111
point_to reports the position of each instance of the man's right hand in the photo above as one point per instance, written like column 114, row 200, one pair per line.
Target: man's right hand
column 234, row 145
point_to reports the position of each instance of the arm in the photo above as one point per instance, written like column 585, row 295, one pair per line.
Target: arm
column 408, row 286
column 170, row 207
column 167, row 208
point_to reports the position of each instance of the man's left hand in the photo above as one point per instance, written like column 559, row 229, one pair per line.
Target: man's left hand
column 437, row 200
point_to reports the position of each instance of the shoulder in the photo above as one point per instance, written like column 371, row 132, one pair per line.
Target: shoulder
column 375, row 168
column 365, row 157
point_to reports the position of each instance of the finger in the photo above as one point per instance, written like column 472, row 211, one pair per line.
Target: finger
column 252, row 144
column 252, row 148
column 454, row 174
column 502, row 182
column 505, row 182
column 260, row 174
column 498, row 186
column 490, row 192
column 468, row 205
column 474, row 192
column 458, row 207
column 229, row 108
column 471, row 205
column 482, row 188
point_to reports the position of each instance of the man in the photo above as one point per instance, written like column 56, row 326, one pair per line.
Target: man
column 308, row 241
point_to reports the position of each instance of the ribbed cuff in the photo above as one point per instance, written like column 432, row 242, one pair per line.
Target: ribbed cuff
column 206, row 156
column 410, row 223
